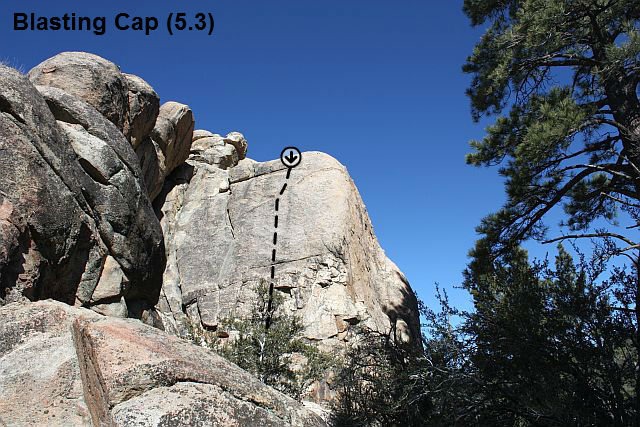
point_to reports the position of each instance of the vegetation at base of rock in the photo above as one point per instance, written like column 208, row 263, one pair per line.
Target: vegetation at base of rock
column 568, row 73
column 551, row 345
column 269, row 344
column 377, row 384
column 545, row 345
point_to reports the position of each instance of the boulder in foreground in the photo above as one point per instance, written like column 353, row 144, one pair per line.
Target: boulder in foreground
column 75, row 365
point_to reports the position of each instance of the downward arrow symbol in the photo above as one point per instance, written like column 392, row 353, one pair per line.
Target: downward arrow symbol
column 291, row 158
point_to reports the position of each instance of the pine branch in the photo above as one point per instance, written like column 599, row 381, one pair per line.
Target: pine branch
column 594, row 235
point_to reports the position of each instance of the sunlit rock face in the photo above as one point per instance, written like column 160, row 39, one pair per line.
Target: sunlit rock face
column 217, row 215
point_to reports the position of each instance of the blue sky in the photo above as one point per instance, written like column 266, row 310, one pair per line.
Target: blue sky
column 376, row 84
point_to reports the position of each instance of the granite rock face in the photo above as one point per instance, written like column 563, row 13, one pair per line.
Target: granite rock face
column 218, row 221
column 40, row 381
column 88, row 77
column 74, row 201
column 48, row 238
column 201, row 133
column 168, row 145
column 86, row 149
column 65, row 366
column 138, row 375
column 113, row 185
column 144, row 107
column 126, row 100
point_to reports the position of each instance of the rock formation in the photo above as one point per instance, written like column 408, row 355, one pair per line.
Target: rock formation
column 167, row 146
column 217, row 217
column 73, row 201
column 88, row 149
column 66, row 366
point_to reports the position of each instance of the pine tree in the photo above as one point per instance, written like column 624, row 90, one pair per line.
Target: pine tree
column 269, row 344
column 548, row 345
column 562, row 76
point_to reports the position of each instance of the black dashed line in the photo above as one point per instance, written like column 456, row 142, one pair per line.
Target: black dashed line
column 275, row 234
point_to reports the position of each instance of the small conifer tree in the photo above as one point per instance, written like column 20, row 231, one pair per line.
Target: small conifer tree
column 269, row 344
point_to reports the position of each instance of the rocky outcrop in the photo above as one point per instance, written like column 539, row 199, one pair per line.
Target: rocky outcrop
column 40, row 381
column 90, row 78
column 239, row 143
column 45, row 224
column 87, row 147
column 126, row 100
column 167, row 147
column 65, row 366
column 144, row 107
column 114, row 190
column 75, row 202
column 218, row 221
column 201, row 133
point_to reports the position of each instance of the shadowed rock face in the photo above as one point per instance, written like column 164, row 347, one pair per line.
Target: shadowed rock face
column 78, row 368
column 72, row 203
column 144, row 107
column 167, row 147
column 219, row 226
column 114, row 190
column 47, row 237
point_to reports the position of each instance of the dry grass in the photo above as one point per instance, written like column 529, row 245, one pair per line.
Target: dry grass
column 12, row 64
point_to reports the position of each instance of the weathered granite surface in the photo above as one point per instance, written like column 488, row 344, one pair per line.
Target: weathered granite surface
column 66, row 366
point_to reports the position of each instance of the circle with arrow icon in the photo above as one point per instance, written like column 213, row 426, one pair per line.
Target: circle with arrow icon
column 291, row 157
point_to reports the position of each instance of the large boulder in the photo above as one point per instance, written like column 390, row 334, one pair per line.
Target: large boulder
column 65, row 366
column 173, row 133
column 167, row 147
column 73, row 203
column 49, row 243
column 88, row 77
column 144, row 107
column 141, row 376
column 201, row 133
column 113, row 186
column 40, row 381
column 214, row 151
column 219, row 228
column 128, row 101
column 239, row 143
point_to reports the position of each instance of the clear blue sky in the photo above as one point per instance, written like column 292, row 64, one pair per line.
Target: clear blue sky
column 376, row 84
